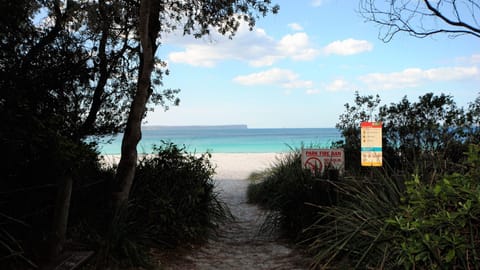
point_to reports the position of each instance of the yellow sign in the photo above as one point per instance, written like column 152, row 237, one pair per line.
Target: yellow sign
column 371, row 144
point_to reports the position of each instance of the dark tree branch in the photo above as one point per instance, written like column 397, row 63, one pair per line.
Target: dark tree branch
column 422, row 18
column 473, row 30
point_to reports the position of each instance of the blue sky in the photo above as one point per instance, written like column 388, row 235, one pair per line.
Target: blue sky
column 298, row 68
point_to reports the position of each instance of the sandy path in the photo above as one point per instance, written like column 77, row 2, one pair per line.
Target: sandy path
column 239, row 244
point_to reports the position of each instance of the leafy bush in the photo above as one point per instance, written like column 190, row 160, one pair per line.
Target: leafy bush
column 352, row 233
column 438, row 226
column 174, row 195
column 427, row 137
column 172, row 202
column 287, row 191
column 26, row 224
column 124, row 243
column 379, row 223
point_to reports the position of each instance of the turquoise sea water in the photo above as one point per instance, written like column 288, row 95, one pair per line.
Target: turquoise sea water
column 230, row 139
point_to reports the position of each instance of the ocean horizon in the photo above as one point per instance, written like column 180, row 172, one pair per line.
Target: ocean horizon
column 227, row 139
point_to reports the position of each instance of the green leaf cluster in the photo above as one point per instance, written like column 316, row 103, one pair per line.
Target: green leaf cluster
column 173, row 203
column 175, row 197
column 426, row 137
column 437, row 226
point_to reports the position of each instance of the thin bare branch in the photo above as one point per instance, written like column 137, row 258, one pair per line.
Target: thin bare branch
column 422, row 18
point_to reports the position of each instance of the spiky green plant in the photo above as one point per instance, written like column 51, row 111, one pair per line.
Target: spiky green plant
column 353, row 233
column 125, row 242
column 288, row 192
column 175, row 195
column 12, row 253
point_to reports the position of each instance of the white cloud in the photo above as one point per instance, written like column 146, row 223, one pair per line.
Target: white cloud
column 254, row 47
column 250, row 46
column 197, row 55
column 414, row 77
column 275, row 76
column 338, row 85
column 295, row 26
column 348, row 47
column 297, row 46
column 333, row 86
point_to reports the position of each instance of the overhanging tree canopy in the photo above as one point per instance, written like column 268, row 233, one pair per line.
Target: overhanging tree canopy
column 156, row 17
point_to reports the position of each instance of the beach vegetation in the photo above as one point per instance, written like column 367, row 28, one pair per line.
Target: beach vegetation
column 415, row 211
column 175, row 193
column 427, row 137
column 68, row 77
column 288, row 191
column 382, row 223
column 173, row 203
column 64, row 79
column 437, row 226
column 419, row 210
column 352, row 233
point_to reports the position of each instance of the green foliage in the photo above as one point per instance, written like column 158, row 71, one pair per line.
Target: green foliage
column 352, row 233
column 172, row 203
column 472, row 122
column 424, row 137
column 66, row 72
column 381, row 223
column 438, row 226
column 175, row 196
column 123, row 245
column 287, row 191
column 364, row 109
column 427, row 137
column 36, row 176
column 377, row 220
column 384, row 222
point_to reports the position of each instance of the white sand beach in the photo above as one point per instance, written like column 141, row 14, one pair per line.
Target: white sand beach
column 229, row 166
column 238, row 166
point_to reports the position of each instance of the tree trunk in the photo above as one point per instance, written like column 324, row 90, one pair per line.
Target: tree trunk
column 60, row 218
column 128, row 161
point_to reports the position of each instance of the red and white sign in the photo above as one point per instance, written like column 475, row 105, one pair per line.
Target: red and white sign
column 317, row 160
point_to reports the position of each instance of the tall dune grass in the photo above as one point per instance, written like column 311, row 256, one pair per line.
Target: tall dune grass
column 289, row 192
column 353, row 233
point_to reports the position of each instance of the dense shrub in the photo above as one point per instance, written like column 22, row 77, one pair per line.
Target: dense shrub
column 427, row 137
column 378, row 219
column 380, row 223
column 438, row 226
column 29, row 188
column 288, row 192
column 172, row 203
column 174, row 193
column 352, row 233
